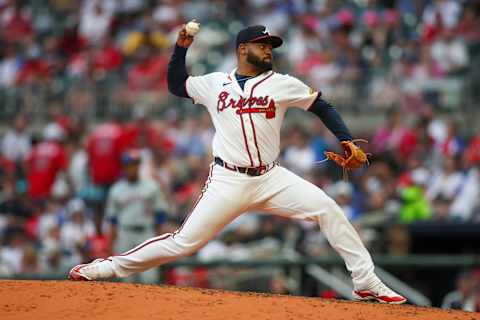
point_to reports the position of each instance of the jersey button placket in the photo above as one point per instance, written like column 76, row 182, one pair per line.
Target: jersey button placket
column 251, row 138
column 248, row 132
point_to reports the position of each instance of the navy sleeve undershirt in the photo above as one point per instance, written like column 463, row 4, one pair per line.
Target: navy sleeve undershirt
column 177, row 72
column 331, row 118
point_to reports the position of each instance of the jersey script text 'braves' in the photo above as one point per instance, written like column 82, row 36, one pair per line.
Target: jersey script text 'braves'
column 250, row 102
column 248, row 121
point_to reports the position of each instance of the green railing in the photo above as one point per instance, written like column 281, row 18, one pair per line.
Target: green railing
column 385, row 261
column 432, row 261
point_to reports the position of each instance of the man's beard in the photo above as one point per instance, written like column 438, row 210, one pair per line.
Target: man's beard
column 259, row 63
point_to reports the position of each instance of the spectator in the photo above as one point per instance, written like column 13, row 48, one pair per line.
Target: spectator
column 472, row 153
column 34, row 70
column 16, row 22
column 105, row 146
column 76, row 231
column 78, row 166
column 99, row 243
column 342, row 192
column 13, row 204
column 16, row 143
column 142, row 133
column 49, row 218
column 321, row 141
column 135, row 208
column 451, row 52
column 463, row 297
column 9, row 66
column 447, row 181
column 388, row 137
column 106, row 57
column 188, row 141
column 45, row 162
column 453, row 144
column 11, row 255
column 438, row 15
column 469, row 24
column 51, row 252
column 467, row 198
column 96, row 18
column 71, row 42
column 415, row 206
column 149, row 73
column 299, row 155
column 30, row 262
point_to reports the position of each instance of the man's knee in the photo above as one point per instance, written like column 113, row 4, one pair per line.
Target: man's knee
column 185, row 247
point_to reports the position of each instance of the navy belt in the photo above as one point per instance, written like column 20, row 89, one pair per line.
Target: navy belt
column 251, row 171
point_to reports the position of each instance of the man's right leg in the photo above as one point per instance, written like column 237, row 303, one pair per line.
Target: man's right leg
column 289, row 195
column 222, row 200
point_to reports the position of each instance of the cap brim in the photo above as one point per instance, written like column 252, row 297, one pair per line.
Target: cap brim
column 273, row 40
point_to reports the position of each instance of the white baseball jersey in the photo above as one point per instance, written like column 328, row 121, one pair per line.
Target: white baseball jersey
column 247, row 122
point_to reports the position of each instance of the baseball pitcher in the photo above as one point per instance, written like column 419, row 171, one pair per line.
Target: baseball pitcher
column 247, row 107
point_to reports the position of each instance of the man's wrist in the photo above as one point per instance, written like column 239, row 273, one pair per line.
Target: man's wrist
column 344, row 137
column 179, row 47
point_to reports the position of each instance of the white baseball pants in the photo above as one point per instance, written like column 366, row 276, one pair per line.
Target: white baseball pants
column 227, row 194
column 128, row 239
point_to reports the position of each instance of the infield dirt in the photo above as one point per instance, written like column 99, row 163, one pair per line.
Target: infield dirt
column 37, row 300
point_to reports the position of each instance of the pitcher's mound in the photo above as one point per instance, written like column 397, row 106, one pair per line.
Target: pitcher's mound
column 115, row 301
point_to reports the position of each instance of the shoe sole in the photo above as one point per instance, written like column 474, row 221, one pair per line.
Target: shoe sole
column 370, row 298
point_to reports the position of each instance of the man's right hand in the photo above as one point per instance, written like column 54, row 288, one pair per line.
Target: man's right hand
column 184, row 40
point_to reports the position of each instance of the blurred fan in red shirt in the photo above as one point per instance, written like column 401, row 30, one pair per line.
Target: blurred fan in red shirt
column 16, row 22
column 149, row 73
column 45, row 161
column 105, row 146
column 107, row 57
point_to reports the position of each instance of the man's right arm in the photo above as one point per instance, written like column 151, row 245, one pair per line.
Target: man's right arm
column 177, row 70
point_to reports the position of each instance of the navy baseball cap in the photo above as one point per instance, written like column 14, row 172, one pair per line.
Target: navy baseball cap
column 131, row 157
column 258, row 34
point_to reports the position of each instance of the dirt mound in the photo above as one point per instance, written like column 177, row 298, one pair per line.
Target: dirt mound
column 107, row 300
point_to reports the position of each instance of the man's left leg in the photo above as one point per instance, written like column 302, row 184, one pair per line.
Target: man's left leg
column 288, row 195
column 129, row 239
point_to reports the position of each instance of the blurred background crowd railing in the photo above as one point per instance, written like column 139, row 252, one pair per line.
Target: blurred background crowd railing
column 81, row 82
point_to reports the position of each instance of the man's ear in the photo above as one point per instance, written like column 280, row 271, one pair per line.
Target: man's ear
column 242, row 49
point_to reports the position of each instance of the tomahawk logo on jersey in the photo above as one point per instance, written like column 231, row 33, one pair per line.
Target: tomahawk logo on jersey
column 244, row 119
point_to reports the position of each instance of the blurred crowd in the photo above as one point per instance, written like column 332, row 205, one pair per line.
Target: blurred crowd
column 66, row 64
column 94, row 56
column 466, row 295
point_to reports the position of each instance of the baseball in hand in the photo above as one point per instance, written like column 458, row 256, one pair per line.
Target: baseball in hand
column 192, row 28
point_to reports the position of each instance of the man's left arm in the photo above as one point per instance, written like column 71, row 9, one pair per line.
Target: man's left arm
column 331, row 118
column 354, row 157
column 297, row 94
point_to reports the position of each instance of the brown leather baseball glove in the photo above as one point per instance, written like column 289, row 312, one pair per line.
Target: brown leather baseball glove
column 354, row 157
